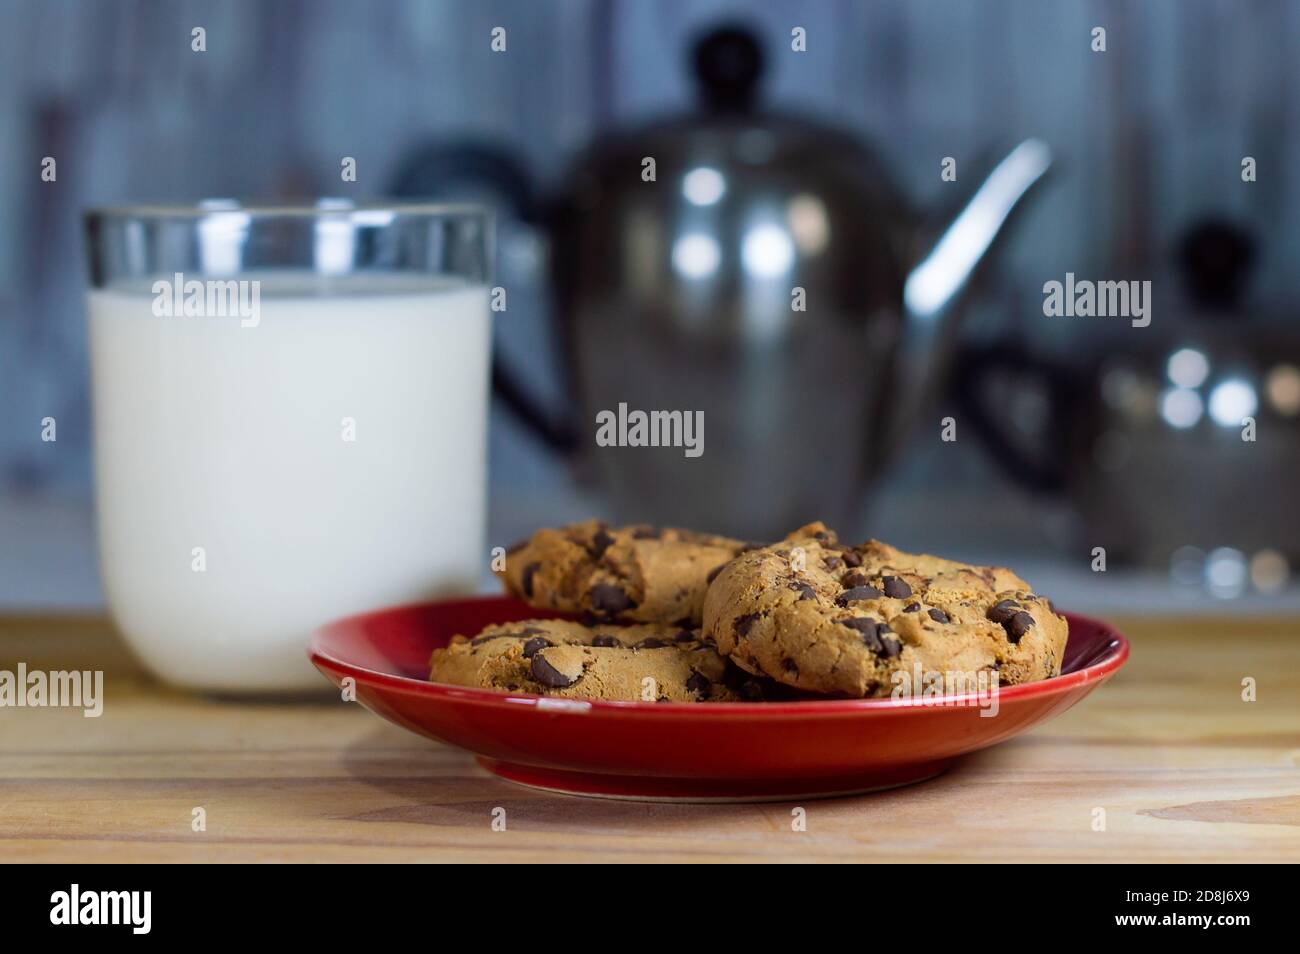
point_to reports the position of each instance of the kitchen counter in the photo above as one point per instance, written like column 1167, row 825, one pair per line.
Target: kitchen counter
column 1183, row 768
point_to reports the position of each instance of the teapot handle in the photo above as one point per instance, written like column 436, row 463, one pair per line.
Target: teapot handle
column 441, row 169
column 1045, row 468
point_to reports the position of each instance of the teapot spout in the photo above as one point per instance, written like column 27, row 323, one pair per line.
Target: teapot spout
column 944, row 270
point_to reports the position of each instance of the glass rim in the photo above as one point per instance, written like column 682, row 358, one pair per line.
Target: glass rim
column 320, row 208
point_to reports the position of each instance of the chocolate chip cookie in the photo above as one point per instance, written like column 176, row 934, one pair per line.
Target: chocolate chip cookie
column 631, row 574
column 813, row 613
column 643, row 663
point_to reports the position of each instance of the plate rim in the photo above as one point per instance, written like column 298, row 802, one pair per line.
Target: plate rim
column 1116, row 655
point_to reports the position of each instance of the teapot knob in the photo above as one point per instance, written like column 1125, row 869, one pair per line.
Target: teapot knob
column 1216, row 257
column 728, row 64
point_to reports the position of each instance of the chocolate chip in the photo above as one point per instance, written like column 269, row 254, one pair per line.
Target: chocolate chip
column 822, row 535
column 534, row 644
column 851, row 580
column 1002, row 611
column 832, row 563
column 609, row 599
column 911, row 607
column 526, row 581
column 699, row 684
column 851, row 558
column 806, row 592
column 605, row 641
column 889, row 648
column 653, row 642
column 869, row 630
column 745, row 623
column 548, row 675
column 684, row 636
column 600, row 543
column 857, row 593
column 1018, row 625
column 713, row 574
column 896, row 588
column 789, row 665
column 938, row 615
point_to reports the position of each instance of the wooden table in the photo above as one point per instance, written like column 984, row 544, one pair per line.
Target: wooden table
column 1184, row 769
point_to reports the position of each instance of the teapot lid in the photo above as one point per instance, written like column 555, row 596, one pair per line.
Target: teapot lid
column 730, row 130
column 756, row 192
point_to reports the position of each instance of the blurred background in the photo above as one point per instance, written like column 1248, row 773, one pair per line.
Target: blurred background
column 1071, row 433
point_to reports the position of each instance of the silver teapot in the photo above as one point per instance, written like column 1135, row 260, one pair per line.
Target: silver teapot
column 1177, row 445
column 758, row 273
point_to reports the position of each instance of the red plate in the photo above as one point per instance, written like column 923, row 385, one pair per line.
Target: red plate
column 725, row 750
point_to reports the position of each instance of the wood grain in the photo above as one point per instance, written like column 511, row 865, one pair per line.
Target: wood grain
column 1185, row 770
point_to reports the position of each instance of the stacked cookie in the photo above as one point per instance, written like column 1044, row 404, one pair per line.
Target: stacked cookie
column 675, row 616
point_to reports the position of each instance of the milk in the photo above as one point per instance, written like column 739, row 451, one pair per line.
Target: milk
column 255, row 481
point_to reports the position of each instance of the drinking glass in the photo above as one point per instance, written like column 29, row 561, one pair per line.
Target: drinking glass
column 290, row 415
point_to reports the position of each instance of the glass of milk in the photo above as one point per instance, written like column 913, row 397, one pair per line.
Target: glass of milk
column 290, row 413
